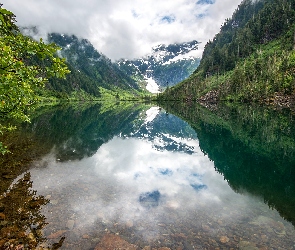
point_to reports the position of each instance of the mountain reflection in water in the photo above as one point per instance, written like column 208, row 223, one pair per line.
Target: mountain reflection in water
column 145, row 179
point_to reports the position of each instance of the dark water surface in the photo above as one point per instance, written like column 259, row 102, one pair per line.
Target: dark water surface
column 225, row 181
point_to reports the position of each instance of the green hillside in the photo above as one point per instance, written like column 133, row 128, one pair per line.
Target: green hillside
column 252, row 58
column 92, row 75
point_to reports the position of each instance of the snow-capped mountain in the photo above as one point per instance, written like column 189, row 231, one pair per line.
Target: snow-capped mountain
column 165, row 66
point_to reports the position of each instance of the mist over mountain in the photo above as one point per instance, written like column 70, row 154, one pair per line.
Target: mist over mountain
column 91, row 72
column 165, row 66
column 86, row 61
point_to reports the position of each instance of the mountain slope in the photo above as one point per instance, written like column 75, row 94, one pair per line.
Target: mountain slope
column 91, row 72
column 165, row 66
column 85, row 62
column 251, row 58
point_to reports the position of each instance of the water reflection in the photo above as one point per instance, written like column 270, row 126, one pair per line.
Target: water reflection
column 253, row 148
column 149, row 182
column 21, row 220
column 77, row 132
column 138, row 175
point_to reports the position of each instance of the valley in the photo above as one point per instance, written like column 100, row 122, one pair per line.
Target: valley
column 162, row 149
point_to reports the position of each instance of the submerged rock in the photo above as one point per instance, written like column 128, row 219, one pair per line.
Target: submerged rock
column 224, row 239
column 70, row 224
column 111, row 241
column 246, row 245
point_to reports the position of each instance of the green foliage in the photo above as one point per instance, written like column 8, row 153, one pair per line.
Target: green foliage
column 20, row 77
column 90, row 70
column 252, row 24
column 251, row 146
column 262, row 75
column 117, row 94
column 251, row 58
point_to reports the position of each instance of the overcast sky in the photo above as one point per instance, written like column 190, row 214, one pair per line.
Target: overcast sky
column 126, row 28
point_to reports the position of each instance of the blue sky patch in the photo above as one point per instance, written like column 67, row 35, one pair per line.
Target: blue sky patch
column 166, row 171
column 206, row 2
column 134, row 14
column 201, row 16
column 150, row 199
column 198, row 187
column 168, row 19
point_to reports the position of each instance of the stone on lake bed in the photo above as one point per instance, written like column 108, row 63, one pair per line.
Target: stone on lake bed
column 85, row 236
column 224, row 239
column 54, row 202
column 129, row 224
column 70, row 224
column 2, row 216
column 205, row 227
column 112, row 241
column 246, row 245
column 56, row 234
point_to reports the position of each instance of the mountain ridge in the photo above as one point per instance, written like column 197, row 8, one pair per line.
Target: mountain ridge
column 251, row 59
column 92, row 74
column 165, row 66
column 99, row 69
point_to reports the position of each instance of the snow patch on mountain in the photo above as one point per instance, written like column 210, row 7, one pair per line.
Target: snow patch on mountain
column 191, row 55
column 165, row 66
column 152, row 86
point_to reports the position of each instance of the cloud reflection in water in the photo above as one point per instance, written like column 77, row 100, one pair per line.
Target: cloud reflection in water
column 129, row 180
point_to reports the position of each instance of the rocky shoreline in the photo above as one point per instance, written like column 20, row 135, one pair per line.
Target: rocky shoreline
column 277, row 101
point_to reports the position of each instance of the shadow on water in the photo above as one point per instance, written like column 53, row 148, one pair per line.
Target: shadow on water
column 252, row 147
column 21, row 220
column 73, row 133
column 76, row 133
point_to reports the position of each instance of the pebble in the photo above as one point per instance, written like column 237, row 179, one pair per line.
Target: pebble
column 56, row 234
column 86, row 236
column 129, row 224
column 224, row 239
column 246, row 245
column 205, row 227
column 54, row 202
column 70, row 224
column 110, row 242
column 2, row 216
column 220, row 222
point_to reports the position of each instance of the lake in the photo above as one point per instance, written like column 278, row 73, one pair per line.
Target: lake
column 137, row 176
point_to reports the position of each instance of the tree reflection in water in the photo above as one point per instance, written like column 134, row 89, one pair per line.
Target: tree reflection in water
column 21, row 221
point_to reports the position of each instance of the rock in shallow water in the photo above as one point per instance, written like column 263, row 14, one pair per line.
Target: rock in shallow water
column 111, row 241
column 70, row 224
column 246, row 245
column 224, row 239
column 56, row 234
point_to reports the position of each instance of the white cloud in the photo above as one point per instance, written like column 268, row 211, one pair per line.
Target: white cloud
column 108, row 186
column 126, row 29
